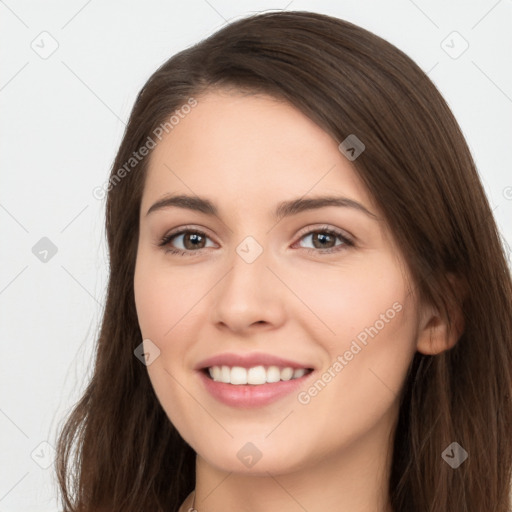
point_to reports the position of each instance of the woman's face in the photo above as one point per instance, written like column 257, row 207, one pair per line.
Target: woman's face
column 279, row 288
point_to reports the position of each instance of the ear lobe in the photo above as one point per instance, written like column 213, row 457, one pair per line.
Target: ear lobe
column 435, row 334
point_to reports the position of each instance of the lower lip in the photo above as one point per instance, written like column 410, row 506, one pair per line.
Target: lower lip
column 248, row 395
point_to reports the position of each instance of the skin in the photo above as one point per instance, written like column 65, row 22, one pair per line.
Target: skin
column 247, row 153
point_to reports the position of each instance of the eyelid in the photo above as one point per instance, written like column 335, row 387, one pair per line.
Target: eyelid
column 304, row 231
column 347, row 238
column 188, row 228
column 326, row 227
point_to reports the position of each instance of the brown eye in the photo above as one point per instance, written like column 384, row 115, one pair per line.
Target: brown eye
column 324, row 239
column 321, row 240
column 191, row 241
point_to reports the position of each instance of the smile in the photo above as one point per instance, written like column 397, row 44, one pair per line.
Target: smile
column 258, row 386
column 256, row 375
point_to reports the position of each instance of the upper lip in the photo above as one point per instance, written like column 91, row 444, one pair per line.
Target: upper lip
column 249, row 361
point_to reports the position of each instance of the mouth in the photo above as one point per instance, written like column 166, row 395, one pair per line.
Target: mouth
column 256, row 379
column 255, row 375
column 254, row 387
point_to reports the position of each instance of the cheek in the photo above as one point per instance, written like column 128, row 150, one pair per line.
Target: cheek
column 161, row 297
column 373, row 318
column 344, row 302
column 149, row 301
column 364, row 319
column 162, row 304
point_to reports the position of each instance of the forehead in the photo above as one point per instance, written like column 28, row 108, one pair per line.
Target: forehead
column 249, row 150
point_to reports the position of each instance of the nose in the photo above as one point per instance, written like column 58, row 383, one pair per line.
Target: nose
column 250, row 296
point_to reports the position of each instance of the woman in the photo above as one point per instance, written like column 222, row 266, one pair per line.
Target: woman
column 239, row 368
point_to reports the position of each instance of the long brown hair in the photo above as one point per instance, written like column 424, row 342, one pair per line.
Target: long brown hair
column 118, row 450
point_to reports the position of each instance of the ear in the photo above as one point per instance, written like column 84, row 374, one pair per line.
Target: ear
column 435, row 334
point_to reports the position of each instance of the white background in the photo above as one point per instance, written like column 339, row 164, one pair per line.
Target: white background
column 61, row 122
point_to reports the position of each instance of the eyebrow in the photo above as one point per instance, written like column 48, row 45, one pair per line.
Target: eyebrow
column 284, row 209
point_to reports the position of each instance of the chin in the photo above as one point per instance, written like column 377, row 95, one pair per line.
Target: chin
column 255, row 458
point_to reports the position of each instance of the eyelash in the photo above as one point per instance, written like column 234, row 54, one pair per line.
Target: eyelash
column 165, row 241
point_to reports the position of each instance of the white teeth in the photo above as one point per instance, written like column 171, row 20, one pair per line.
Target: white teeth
column 225, row 375
column 286, row 373
column 256, row 375
column 215, row 373
column 238, row 375
column 299, row 373
column 273, row 374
